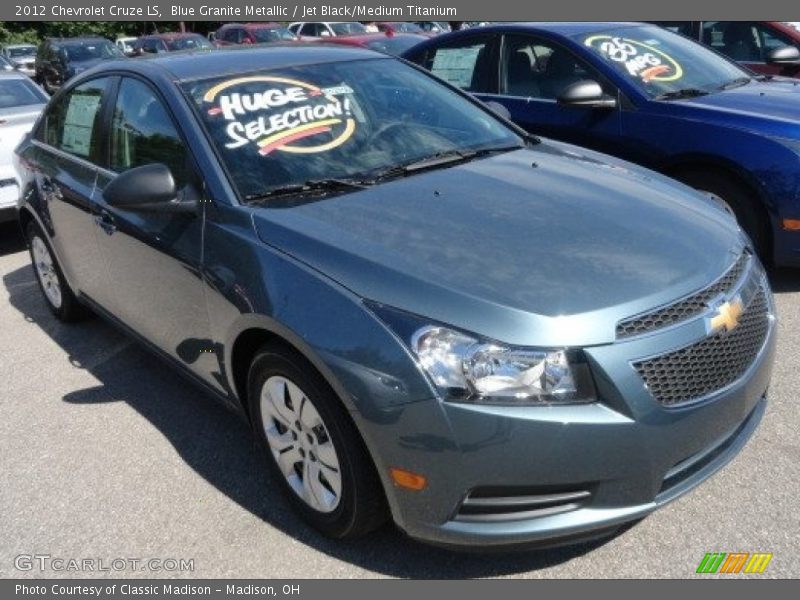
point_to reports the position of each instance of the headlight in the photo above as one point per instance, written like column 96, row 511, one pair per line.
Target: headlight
column 467, row 369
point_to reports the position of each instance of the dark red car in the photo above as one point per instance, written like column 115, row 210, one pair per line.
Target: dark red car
column 158, row 43
column 399, row 27
column 747, row 42
column 388, row 43
column 252, row 33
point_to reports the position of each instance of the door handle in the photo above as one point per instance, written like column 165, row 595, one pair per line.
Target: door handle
column 106, row 222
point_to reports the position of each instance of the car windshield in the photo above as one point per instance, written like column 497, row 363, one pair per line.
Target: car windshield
column 83, row 51
column 348, row 28
column 394, row 45
column 20, row 51
column 663, row 64
column 404, row 27
column 353, row 120
column 275, row 34
column 190, row 42
column 19, row 92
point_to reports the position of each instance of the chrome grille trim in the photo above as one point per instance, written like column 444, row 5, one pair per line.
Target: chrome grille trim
column 686, row 308
column 492, row 509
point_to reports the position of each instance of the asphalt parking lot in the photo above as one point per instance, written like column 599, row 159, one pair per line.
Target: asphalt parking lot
column 107, row 453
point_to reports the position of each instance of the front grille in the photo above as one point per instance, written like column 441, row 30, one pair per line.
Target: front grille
column 516, row 504
column 710, row 365
column 684, row 309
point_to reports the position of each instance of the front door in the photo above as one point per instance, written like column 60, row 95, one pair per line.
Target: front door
column 534, row 72
column 155, row 258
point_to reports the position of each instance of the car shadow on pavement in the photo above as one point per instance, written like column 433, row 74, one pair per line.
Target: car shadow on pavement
column 217, row 445
column 10, row 238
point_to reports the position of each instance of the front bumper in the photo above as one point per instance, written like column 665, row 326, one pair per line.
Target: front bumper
column 572, row 470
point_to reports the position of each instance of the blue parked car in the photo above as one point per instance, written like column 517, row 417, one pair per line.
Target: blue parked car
column 422, row 311
column 650, row 96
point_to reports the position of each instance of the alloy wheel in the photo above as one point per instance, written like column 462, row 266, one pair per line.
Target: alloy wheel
column 46, row 271
column 300, row 444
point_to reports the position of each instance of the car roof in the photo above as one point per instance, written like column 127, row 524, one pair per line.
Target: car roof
column 174, row 35
column 233, row 60
column 7, row 46
column 13, row 75
column 77, row 40
column 560, row 28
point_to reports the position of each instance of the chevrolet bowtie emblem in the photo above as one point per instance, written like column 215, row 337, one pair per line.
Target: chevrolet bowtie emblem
column 727, row 316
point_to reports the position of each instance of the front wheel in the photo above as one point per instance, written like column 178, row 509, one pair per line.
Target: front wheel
column 313, row 445
column 736, row 199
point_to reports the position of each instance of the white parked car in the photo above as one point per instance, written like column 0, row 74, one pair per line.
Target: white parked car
column 125, row 44
column 21, row 101
column 317, row 29
column 21, row 56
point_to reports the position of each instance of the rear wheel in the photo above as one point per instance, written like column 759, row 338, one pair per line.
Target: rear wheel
column 59, row 297
column 313, row 446
column 736, row 199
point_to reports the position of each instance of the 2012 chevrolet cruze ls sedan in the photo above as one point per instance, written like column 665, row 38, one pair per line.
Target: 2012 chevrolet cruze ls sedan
column 423, row 312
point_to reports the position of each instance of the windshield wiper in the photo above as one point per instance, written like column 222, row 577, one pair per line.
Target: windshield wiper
column 734, row 83
column 682, row 93
column 442, row 159
column 310, row 186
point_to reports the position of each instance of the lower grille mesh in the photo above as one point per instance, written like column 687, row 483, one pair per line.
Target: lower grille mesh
column 698, row 370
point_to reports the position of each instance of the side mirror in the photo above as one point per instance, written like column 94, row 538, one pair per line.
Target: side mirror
column 586, row 93
column 499, row 109
column 784, row 55
column 149, row 188
column 324, row 33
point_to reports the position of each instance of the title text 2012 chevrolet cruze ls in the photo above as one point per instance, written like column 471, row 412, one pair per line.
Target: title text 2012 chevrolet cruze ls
column 422, row 311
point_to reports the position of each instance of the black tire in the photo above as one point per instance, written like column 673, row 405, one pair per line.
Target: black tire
column 741, row 200
column 361, row 504
column 69, row 309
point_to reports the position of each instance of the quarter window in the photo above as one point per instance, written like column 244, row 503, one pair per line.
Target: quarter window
column 142, row 132
column 71, row 124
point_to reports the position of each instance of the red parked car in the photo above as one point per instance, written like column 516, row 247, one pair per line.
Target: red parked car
column 388, row 42
column 747, row 42
column 252, row 33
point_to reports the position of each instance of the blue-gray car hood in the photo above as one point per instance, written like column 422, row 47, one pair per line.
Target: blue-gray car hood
column 533, row 247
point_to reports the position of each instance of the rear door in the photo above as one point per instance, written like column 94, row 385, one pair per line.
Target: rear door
column 67, row 148
column 155, row 259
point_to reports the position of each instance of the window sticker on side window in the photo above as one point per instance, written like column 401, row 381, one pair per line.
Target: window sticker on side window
column 79, row 122
column 456, row 65
column 280, row 114
column 641, row 60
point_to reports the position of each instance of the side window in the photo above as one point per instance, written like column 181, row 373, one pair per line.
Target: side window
column 71, row 124
column 769, row 39
column 537, row 68
column 735, row 39
column 467, row 64
column 142, row 132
